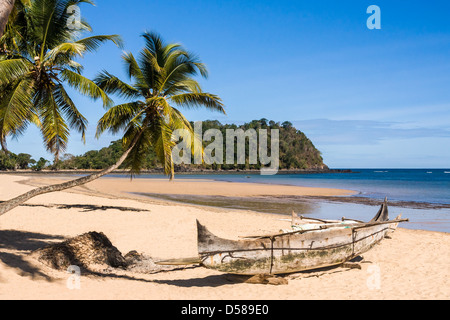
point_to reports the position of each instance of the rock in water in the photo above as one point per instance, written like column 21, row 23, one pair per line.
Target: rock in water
column 85, row 251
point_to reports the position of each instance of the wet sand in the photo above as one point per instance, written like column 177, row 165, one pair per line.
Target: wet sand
column 413, row 264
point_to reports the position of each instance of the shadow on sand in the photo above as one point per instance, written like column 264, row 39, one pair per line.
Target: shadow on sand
column 84, row 207
column 15, row 245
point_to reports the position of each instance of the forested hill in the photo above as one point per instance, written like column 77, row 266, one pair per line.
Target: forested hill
column 297, row 152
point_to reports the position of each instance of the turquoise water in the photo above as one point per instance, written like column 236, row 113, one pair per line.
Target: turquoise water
column 420, row 185
column 428, row 186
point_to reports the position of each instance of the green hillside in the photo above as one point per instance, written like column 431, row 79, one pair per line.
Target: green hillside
column 296, row 151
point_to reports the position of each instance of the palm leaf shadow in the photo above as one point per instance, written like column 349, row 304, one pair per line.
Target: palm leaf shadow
column 15, row 245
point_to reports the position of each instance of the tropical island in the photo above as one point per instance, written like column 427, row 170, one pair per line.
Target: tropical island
column 96, row 237
column 297, row 153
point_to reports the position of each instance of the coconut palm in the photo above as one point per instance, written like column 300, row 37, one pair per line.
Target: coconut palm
column 163, row 77
column 40, row 61
column 14, row 25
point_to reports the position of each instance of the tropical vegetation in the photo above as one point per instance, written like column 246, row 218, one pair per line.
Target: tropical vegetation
column 6, row 7
column 37, row 63
column 39, row 57
column 297, row 152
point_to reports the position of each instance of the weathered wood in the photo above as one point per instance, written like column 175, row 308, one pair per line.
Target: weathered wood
column 179, row 262
column 295, row 251
column 296, row 219
column 268, row 279
column 371, row 224
column 86, row 251
column 351, row 265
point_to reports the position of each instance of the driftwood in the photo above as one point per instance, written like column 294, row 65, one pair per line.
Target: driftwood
column 267, row 279
column 93, row 252
column 87, row 251
column 142, row 263
column 351, row 265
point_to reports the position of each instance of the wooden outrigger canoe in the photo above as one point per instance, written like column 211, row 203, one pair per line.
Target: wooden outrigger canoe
column 296, row 251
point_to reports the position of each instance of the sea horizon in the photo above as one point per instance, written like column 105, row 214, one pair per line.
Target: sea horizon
column 421, row 195
column 426, row 185
column 418, row 185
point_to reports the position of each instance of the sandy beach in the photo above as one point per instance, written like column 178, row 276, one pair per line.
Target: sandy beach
column 413, row 264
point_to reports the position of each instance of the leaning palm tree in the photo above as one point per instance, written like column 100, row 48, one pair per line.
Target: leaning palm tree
column 163, row 77
column 38, row 65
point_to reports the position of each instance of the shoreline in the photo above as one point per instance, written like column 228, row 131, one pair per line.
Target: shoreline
column 263, row 198
column 206, row 187
column 410, row 261
column 334, row 208
column 337, row 195
column 354, row 199
column 157, row 172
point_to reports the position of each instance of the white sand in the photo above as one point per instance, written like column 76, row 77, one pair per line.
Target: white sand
column 411, row 265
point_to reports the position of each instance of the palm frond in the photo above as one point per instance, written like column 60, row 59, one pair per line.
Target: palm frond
column 179, row 122
column 92, row 43
column 65, row 52
column 195, row 100
column 49, row 23
column 133, row 71
column 180, row 66
column 119, row 117
column 154, row 45
column 188, row 85
column 85, row 86
column 16, row 107
column 54, row 129
column 161, row 140
column 138, row 154
column 113, row 85
column 76, row 120
column 13, row 69
column 150, row 69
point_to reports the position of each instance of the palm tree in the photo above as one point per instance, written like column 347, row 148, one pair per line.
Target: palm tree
column 163, row 76
column 40, row 60
column 6, row 7
column 7, row 17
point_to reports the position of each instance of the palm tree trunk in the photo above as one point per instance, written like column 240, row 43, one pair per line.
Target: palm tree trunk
column 6, row 6
column 13, row 203
column 3, row 144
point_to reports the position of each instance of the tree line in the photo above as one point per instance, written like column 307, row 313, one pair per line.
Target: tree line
column 297, row 152
column 41, row 57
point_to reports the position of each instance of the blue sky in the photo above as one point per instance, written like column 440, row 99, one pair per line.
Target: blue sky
column 366, row 98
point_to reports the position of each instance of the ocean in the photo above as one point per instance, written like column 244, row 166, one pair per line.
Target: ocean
column 419, row 185
column 422, row 195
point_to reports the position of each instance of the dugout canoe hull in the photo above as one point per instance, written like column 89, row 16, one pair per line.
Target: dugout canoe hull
column 293, row 252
